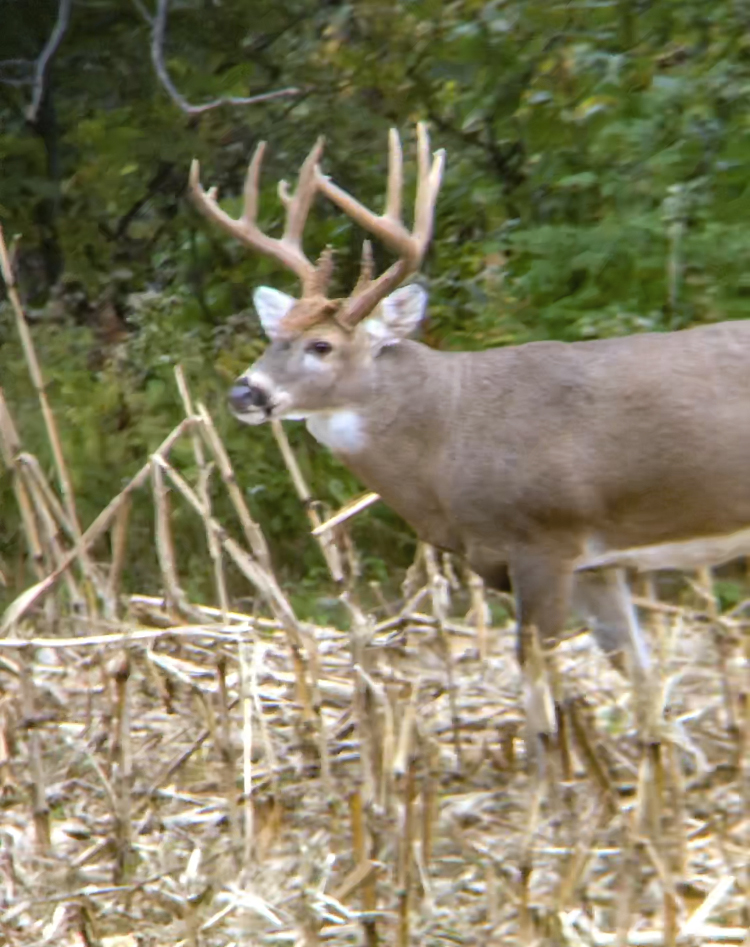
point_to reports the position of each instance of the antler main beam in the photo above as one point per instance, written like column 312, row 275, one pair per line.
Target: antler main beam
column 288, row 249
column 388, row 227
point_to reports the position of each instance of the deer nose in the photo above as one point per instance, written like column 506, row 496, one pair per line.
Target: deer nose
column 244, row 397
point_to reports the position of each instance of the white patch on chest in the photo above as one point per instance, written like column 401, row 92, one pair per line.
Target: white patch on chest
column 339, row 431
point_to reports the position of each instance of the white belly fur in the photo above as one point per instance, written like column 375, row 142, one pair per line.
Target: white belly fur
column 692, row 554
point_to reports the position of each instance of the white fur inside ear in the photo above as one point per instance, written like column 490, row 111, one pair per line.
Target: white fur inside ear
column 271, row 306
column 398, row 317
column 404, row 309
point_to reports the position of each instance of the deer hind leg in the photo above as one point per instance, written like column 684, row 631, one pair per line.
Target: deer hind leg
column 601, row 597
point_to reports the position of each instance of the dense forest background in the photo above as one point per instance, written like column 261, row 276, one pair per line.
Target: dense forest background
column 596, row 184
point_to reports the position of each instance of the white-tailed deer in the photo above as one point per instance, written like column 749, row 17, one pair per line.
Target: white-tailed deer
column 557, row 460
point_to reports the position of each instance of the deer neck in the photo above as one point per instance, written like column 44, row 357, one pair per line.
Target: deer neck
column 392, row 398
column 391, row 439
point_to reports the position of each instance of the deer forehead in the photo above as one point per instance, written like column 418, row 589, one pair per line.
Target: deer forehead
column 325, row 329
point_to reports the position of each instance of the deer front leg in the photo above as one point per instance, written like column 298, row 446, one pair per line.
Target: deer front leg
column 541, row 585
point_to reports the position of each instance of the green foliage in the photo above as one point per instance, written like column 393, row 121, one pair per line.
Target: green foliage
column 729, row 593
column 597, row 184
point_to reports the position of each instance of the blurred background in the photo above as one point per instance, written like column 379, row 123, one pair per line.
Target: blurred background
column 596, row 184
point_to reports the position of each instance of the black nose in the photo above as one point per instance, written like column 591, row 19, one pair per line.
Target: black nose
column 243, row 396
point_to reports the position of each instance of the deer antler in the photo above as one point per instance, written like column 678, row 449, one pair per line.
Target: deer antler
column 410, row 246
column 288, row 249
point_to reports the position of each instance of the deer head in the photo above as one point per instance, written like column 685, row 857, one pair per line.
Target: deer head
column 321, row 347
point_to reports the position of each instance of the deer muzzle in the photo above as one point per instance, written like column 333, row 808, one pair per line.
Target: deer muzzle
column 250, row 402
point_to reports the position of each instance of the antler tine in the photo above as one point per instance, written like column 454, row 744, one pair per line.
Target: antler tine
column 324, row 271
column 428, row 185
column 390, row 230
column 252, row 184
column 366, row 268
column 410, row 247
column 298, row 205
column 395, row 176
column 358, row 307
column 287, row 250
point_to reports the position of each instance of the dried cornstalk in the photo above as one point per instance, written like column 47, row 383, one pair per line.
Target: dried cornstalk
column 248, row 695
column 122, row 767
column 253, row 533
column 575, row 864
column 9, row 448
column 360, row 849
column 24, row 602
column 313, row 656
column 264, row 581
column 52, row 543
column 175, row 596
column 439, row 592
column 35, row 372
column 33, row 470
column 40, row 808
column 526, row 859
column 582, row 732
column 429, row 801
column 224, row 744
column 405, row 849
column 349, row 510
column 204, row 475
column 328, row 547
column 368, row 724
column 118, row 541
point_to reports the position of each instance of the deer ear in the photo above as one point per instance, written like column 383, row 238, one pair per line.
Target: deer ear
column 398, row 317
column 271, row 306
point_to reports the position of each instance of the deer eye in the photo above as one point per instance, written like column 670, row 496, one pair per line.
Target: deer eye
column 319, row 347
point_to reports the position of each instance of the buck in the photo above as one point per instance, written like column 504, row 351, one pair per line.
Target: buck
column 562, row 462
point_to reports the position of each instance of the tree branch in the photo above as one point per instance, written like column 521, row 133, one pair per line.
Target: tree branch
column 141, row 8
column 44, row 60
column 158, row 32
column 21, row 66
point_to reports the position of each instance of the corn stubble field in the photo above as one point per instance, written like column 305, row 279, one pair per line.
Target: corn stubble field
column 174, row 772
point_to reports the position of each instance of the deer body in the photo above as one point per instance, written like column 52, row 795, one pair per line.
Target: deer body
column 561, row 462
column 547, row 456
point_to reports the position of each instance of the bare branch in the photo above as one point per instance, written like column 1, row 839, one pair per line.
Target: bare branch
column 158, row 31
column 16, row 82
column 141, row 8
column 44, row 60
column 24, row 69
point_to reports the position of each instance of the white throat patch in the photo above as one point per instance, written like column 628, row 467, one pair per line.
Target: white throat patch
column 340, row 431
